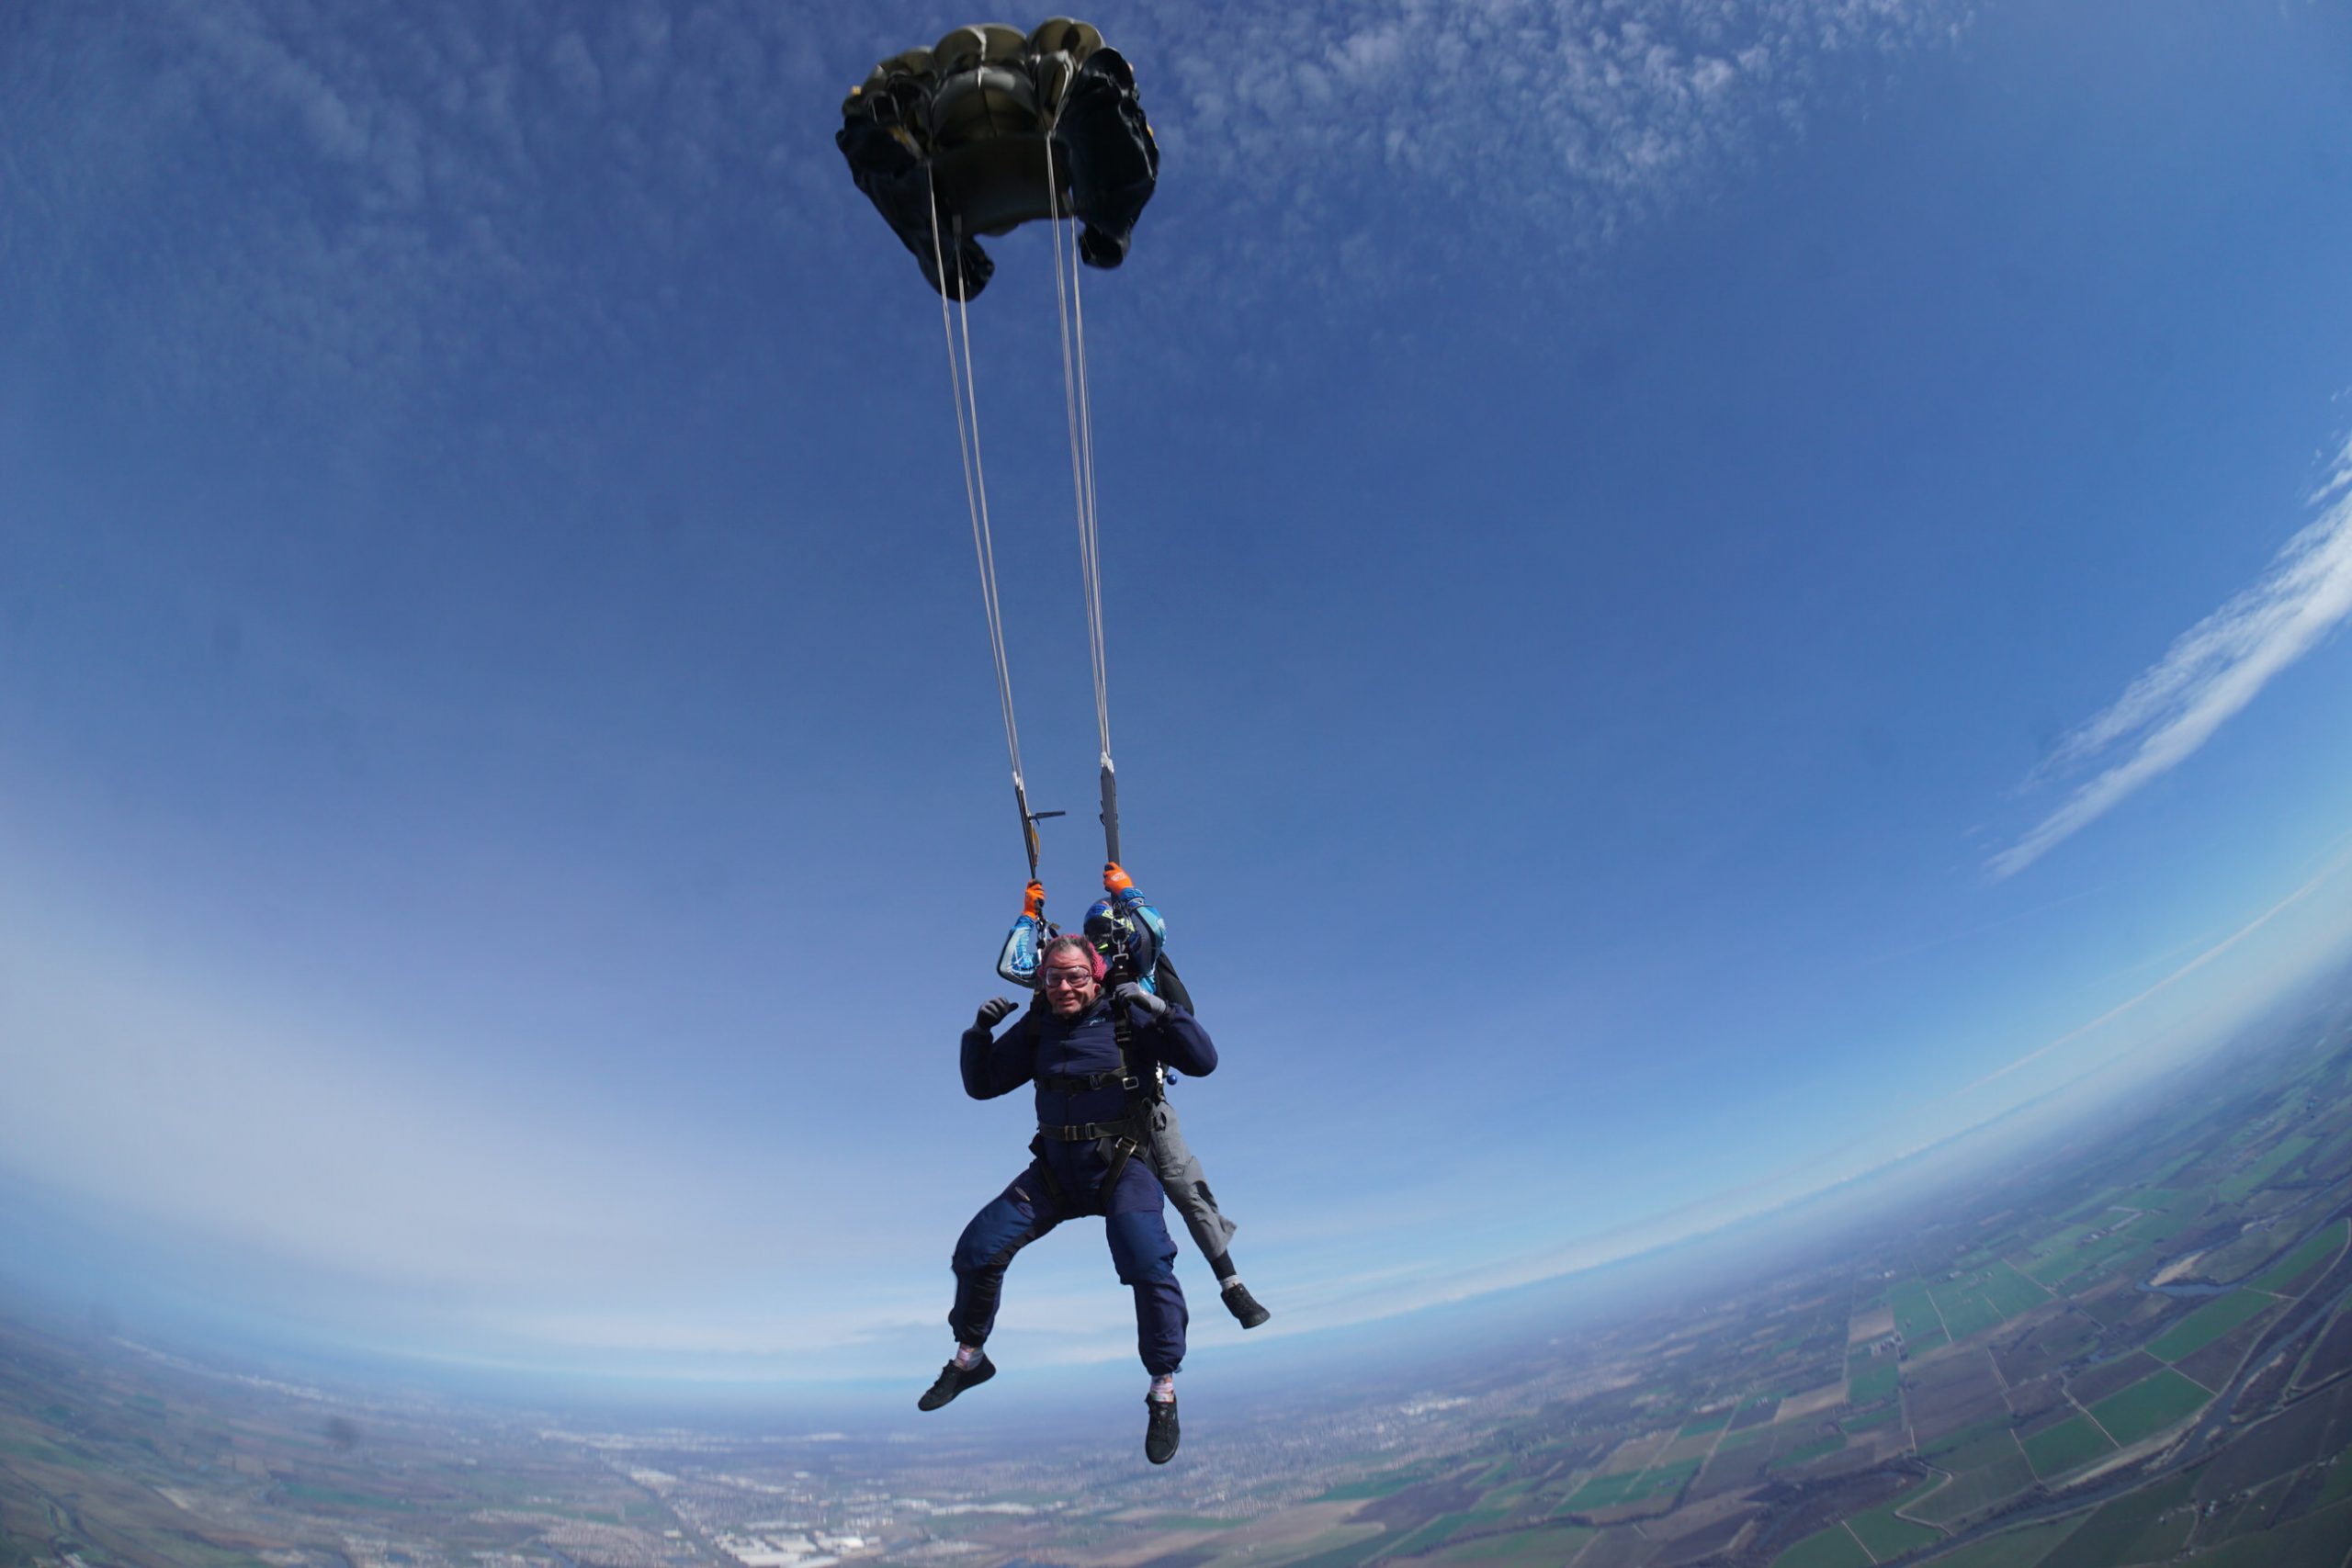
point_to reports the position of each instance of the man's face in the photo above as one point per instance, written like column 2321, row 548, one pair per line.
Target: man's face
column 1068, row 980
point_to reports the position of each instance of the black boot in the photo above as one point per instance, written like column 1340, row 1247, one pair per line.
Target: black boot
column 1160, row 1435
column 954, row 1380
column 1243, row 1306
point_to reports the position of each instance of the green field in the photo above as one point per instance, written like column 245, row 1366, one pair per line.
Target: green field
column 1345, row 1555
column 1631, row 1486
column 1885, row 1417
column 1914, row 1312
column 1715, row 1423
column 2018, row 1549
column 2288, row 1272
column 1971, row 1317
column 1808, row 1454
column 2146, row 1526
column 2315, row 1541
column 1536, row 1549
column 1933, row 1339
column 1973, row 1491
column 2065, row 1446
column 1970, row 1446
column 1886, row 1536
column 1833, row 1548
column 2208, row 1322
column 2239, row 1188
column 1428, row 1535
column 1872, row 1379
column 2149, row 1406
column 1745, row 1437
column 2162, row 1226
column 2010, row 1292
column 1376, row 1486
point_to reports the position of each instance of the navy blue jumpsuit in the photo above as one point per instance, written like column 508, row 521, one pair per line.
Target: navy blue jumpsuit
column 1041, row 1046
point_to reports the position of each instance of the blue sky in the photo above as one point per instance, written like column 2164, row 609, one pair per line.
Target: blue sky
column 1700, row 596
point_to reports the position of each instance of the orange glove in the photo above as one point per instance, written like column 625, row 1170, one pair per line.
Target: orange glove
column 1032, row 900
column 1115, row 881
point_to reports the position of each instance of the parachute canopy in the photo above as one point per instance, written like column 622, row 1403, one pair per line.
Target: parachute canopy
column 991, row 127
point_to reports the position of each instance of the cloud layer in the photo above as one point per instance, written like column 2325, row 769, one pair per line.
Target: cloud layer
column 2211, row 672
column 311, row 197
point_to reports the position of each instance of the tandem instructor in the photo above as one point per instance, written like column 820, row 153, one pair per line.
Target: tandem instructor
column 1092, row 1057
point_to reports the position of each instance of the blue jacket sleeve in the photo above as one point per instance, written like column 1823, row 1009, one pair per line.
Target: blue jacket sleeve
column 1147, row 935
column 1177, row 1040
column 1018, row 961
column 1000, row 1063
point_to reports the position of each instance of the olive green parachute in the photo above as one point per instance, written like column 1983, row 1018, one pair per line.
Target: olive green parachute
column 991, row 127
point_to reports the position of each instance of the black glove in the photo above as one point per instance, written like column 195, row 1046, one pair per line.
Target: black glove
column 1137, row 1000
column 993, row 1011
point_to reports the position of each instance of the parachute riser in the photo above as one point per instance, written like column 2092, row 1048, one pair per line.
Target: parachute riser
column 1111, row 813
column 1029, row 820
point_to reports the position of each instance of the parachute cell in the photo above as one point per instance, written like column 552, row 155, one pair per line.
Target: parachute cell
column 991, row 127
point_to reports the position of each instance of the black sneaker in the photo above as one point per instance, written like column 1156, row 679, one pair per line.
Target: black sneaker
column 1159, row 1438
column 1243, row 1306
column 954, row 1380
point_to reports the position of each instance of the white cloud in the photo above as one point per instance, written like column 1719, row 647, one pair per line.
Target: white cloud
column 306, row 197
column 2211, row 672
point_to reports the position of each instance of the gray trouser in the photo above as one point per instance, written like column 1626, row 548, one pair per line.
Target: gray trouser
column 1187, row 1184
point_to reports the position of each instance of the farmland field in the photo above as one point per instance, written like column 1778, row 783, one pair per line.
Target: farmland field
column 2147, row 1526
column 2208, row 1322
column 2286, row 1274
column 1833, row 1548
column 2149, row 1406
column 1973, row 1491
column 2066, row 1445
column 1874, row 1378
column 2010, row 1292
column 1914, row 1312
column 1886, row 1536
column 2015, row 1549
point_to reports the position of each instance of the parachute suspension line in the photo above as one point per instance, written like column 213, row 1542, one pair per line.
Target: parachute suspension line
column 1079, row 406
column 975, row 502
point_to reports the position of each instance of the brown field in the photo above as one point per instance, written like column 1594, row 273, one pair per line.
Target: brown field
column 2216, row 1364
column 1416, row 1506
column 2042, row 1349
column 2095, row 1383
column 1954, row 1392
column 1875, row 1324
column 2032, row 1401
column 1812, row 1401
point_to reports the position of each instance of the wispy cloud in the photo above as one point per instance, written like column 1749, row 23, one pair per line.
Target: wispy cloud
column 307, row 197
column 2211, row 672
column 1367, row 144
column 2211, row 954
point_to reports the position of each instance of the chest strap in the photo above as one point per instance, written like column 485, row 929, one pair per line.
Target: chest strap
column 1064, row 1083
column 1094, row 1131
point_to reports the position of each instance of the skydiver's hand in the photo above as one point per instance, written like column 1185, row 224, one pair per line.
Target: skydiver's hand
column 993, row 1011
column 1140, row 1000
column 1115, row 881
column 1032, row 900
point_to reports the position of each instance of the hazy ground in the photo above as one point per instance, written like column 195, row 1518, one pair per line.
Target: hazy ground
column 2132, row 1348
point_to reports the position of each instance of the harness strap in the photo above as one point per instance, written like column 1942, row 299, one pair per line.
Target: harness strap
column 1092, row 1132
column 1064, row 1084
column 1126, row 1137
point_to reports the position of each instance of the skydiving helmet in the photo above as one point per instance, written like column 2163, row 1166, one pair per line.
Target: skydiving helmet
column 1112, row 935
